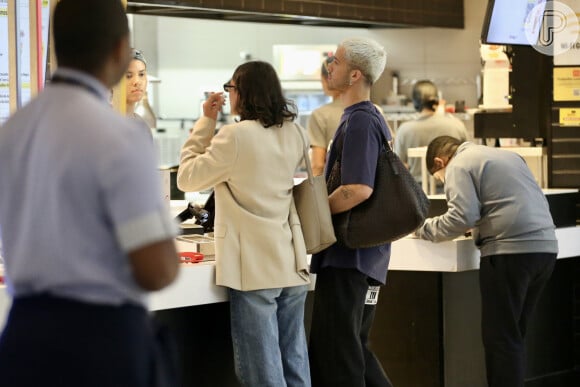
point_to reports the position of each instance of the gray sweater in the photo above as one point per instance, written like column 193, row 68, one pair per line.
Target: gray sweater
column 493, row 192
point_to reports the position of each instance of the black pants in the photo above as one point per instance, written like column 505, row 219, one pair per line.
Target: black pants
column 510, row 287
column 51, row 341
column 341, row 322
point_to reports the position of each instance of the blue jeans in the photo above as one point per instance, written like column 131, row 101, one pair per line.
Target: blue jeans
column 268, row 337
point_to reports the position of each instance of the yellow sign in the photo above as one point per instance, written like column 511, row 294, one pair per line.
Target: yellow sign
column 570, row 117
column 566, row 83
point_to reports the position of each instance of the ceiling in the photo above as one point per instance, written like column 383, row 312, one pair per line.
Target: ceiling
column 153, row 8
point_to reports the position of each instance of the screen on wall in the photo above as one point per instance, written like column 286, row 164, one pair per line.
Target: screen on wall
column 513, row 22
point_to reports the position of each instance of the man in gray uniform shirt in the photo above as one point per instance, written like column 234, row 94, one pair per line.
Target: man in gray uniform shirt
column 85, row 230
column 492, row 192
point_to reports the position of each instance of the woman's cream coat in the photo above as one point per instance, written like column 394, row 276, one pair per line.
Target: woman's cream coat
column 258, row 239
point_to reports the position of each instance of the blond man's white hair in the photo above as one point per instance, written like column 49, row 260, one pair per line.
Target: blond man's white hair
column 366, row 55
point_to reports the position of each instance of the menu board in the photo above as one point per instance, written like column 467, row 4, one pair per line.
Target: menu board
column 23, row 50
column 45, row 32
column 23, row 56
column 4, row 90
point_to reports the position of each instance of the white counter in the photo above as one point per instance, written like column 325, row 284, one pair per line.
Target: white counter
column 195, row 284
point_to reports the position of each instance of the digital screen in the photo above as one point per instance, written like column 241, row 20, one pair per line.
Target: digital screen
column 514, row 22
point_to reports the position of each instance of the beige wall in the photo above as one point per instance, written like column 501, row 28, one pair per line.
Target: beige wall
column 449, row 57
column 193, row 55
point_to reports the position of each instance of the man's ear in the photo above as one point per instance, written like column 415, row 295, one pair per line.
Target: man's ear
column 438, row 162
column 355, row 75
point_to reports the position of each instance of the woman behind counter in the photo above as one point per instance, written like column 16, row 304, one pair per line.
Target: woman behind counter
column 136, row 78
column 251, row 164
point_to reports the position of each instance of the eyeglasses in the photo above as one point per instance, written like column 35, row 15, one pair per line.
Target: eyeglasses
column 228, row 87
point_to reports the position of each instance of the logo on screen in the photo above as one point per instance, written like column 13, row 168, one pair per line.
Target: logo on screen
column 552, row 28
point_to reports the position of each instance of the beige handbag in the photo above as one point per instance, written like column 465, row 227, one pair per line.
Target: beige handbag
column 311, row 199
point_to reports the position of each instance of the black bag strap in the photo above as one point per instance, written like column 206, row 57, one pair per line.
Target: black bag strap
column 388, row 149
column 385, row 141
column 334, row 177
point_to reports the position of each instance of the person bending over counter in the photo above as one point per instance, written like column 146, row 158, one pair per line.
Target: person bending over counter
column 493, row 192
column 260, row 251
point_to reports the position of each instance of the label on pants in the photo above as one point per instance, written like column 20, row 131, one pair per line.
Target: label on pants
column 372, row 295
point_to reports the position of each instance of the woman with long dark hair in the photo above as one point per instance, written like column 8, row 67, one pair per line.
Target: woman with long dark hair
column 260, row 252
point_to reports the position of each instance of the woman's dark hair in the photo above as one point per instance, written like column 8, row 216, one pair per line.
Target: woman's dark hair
column 260, row 95
column 442, row 146
column 87, row 31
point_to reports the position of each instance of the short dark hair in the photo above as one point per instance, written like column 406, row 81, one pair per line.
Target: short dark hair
column 442, row 146
column 86, row 32
column 425, row 95
column 260, row 95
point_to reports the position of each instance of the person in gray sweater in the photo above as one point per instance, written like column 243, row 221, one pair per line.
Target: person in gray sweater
column 493, row 193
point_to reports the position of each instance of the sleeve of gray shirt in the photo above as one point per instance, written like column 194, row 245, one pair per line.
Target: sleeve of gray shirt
column 463, row 208
column 131, row 187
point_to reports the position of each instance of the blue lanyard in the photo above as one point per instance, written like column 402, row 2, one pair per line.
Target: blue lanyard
column 71, row 81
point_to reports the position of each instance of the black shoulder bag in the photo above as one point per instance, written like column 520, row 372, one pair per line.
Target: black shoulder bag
column 397, row 206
